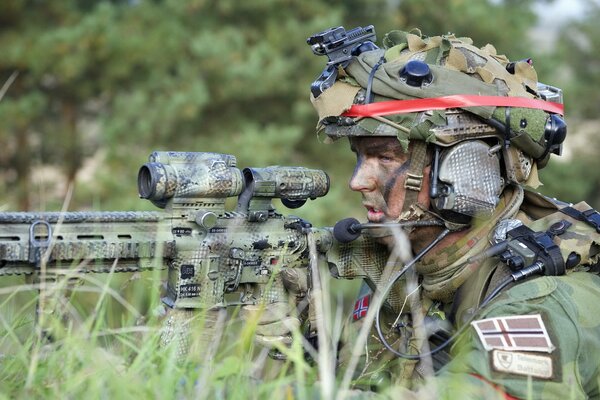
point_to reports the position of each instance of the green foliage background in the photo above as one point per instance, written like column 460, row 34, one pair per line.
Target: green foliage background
column 99, row 85
column 102, row 84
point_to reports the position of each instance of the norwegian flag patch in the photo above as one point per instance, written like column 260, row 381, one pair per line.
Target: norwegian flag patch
column 361, row 307
column 514, row 333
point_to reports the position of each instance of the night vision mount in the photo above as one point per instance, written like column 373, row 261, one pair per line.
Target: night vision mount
column 339, row 46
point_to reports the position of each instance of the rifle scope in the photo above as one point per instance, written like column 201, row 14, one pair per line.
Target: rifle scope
column 290, row 183
column 188, row 175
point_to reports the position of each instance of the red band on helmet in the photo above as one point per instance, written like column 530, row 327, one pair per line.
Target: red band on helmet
column 442, row 103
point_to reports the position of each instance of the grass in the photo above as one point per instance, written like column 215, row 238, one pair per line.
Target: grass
column 89, row 357
column 101, row 336
column 106, row 343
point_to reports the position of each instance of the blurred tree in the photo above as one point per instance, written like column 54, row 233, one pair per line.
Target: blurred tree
column 578, row 74
column 505, row 23
column 196, row 75
column 54, row 49
column 118, row 79
column 579, row 44
column 167, row 74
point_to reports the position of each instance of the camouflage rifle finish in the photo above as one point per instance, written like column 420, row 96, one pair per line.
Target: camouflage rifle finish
column 207, row 250
column 88, row 241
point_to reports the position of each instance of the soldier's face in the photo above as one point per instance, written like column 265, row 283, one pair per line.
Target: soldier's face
column 379, row 175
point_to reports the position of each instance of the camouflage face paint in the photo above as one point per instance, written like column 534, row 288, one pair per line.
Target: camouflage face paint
column 380, row 163
column 391, row 182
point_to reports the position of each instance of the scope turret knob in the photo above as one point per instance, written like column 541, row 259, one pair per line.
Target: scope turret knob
column 416, row 73
column 207, row 219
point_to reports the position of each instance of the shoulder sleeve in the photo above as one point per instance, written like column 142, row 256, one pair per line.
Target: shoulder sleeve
column 540, row 340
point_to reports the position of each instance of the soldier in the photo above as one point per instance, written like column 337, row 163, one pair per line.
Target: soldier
column 449, row 138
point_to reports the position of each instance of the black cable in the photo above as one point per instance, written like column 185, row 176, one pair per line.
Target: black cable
column 496, row 124
column 549, row 261
column 369, row 94
column 434, row 191
column 452, row 338
column 392, row 281
column 507, row 127
column 459, row 332
column 507, row 281
column 526, row 272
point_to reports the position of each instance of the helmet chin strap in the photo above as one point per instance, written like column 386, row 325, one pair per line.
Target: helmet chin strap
column 414, row 178
column 420, row 217
column 415, row 214
column 384, row 229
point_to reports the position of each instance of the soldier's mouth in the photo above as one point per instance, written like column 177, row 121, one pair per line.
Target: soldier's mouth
column 374, row 214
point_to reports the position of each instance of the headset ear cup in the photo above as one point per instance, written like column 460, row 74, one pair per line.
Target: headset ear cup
column 469, row 179
column 555, row 134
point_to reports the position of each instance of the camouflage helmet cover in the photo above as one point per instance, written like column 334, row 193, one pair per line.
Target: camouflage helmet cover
column 457, row 68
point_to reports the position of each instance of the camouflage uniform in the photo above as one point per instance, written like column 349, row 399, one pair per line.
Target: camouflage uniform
column 565, row 304
column 490, row 359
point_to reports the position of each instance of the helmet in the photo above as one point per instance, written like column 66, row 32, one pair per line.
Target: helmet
column 489, row 121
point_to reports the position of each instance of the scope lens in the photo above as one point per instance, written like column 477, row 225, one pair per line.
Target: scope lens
column 145, row 184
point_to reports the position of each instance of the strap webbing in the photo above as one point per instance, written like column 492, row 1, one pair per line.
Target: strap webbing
column 590, row 217
column 414, row 177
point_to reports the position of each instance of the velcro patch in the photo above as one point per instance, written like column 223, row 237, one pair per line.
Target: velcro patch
column 514, row 333
column 526, row 364
column 361, row 307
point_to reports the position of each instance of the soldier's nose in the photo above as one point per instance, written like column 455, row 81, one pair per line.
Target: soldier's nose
column 361, row 180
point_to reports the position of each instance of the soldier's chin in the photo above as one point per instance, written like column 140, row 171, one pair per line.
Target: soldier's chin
column 378, row 233
column 388, row 241
column 384, row 236
column 415, row 237
column 394, row 241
